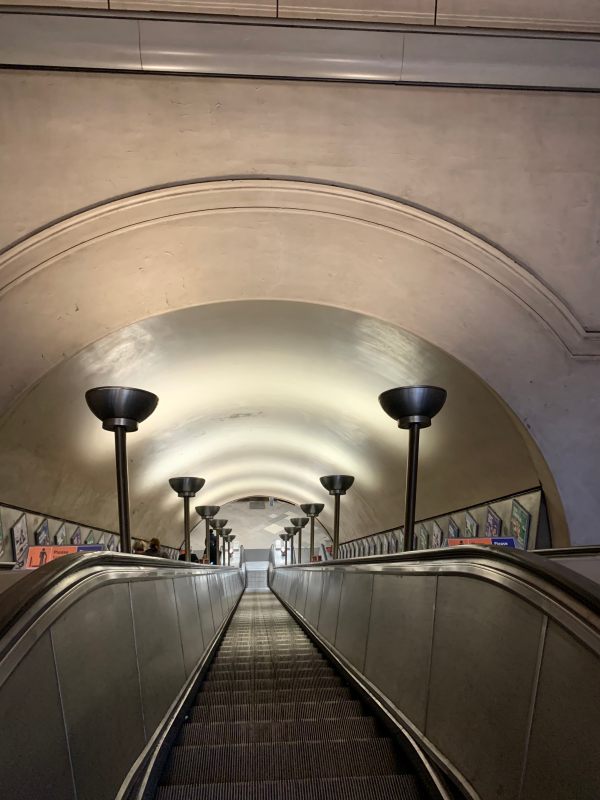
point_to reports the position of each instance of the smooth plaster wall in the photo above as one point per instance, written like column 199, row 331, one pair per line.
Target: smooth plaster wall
column 520, row 169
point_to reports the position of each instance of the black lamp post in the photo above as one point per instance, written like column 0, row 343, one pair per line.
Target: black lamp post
column 413, row 407
column 312, row 510
column 300, row 523
column 217, row 525
column 186, row 488
column 207, row 513
column 337, row 485
column 284, row 537
column 291, row 531
column 228, row 536
column 121, row 409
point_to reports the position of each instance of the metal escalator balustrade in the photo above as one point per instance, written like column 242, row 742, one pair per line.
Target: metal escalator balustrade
column 488, row 658
column 273, row 720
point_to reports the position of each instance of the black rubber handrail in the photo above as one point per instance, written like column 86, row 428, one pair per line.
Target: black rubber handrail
column 23, row 594
column 577, row 586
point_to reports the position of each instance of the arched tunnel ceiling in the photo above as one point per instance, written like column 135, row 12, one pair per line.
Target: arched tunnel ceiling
column 259, row 398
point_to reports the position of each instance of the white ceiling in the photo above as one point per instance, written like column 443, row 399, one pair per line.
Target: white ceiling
column 259, row 398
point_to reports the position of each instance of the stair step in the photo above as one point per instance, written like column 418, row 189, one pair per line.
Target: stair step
column 283, row 731
column 287, row 660
column 273, row 695
column 263, row 712
column 222, row 674
column 276, row 761
column 269, row 684
column 378, row 787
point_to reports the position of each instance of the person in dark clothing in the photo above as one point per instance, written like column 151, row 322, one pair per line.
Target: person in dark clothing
column 213, row 550
column 193, row 557
column 154, row 549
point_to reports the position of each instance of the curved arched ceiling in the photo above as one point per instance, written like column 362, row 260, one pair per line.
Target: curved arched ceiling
column 260, row 398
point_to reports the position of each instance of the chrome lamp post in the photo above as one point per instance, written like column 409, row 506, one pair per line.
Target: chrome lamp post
column 299, row 523
column 121, row 409
column 284, row 537
column 337, row 485
column 413, row 408
column 186, row 488
column 312, row 510
column 207, row 513
column 228, row 536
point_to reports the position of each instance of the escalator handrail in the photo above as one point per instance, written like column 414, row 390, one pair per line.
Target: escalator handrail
column 68, row 571
column 577, row 586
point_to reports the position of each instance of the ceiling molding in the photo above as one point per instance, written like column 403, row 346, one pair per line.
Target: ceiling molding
column 39, row 251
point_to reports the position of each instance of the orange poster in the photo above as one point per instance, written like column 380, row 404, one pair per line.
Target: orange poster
column 40, row 554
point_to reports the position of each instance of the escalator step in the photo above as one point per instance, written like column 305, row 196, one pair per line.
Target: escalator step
column 284, row 731
column 274, row 695
column 384, row 787
column 283, row 684
column 275, row 761
column 276, row 711
column 222, row 674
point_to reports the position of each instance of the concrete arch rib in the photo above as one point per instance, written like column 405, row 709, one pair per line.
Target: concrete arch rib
column 82, row 230
column 194, row 244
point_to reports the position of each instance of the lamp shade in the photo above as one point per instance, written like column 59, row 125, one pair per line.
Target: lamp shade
column 337, row 484
column 207, row 512
column 186, row 487
column 120, row 406
column 413, row 405
column 312, row 509
column 299, row 522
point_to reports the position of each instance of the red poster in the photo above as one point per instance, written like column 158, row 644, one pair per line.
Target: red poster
column 39, row 555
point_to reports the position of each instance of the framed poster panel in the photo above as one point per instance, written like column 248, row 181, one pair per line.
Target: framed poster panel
column 42, row 534
column 520, row 522
column 110, row 545
column 422, row 538
column 2, row 539
column 101, row 539
column 76, row 536
column 20, row 540
column 471, row 526
column 493, row 524
column 453, row 529
column 60, row 536
column 89, row 539
column 437, row 535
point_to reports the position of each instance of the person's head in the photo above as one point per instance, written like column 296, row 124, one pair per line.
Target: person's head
column 155, row 543
column 138, row 546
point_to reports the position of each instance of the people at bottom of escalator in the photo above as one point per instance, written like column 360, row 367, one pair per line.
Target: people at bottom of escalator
column 193, row 557
column 138, row 548
column 154, row 549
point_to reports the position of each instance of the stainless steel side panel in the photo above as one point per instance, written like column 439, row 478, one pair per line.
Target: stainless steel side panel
column 313, row 598
column 565, row 735
column 99, row 683
column 483, row 666
column 204, row 607
column 352, row 632
column 34, row 760
column 332, row 588
column 192, row 641
column 400, row 637
column 159, row 646
column 215, row 600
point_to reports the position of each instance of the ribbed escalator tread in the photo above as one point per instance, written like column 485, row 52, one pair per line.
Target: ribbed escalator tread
column 380, row 787
column 274, row 695
column 276, row 711
column 283, row 731
column 278, row 761
column 284, row 684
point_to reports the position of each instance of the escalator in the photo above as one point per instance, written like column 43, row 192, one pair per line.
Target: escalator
column 273, row 720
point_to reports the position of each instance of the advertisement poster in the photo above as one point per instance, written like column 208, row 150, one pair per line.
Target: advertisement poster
column 76, row 537
column 471, row 526
column 40, row 555
column 89, row 539
column 453, row 529
column 42, row 533
column 1, row 539
column 437, row 535
column 497, row 542
column 110, row 545
column 61, row 535
column 493, row 524
column 520, row 520
column 19, row 540
column 422, row 538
